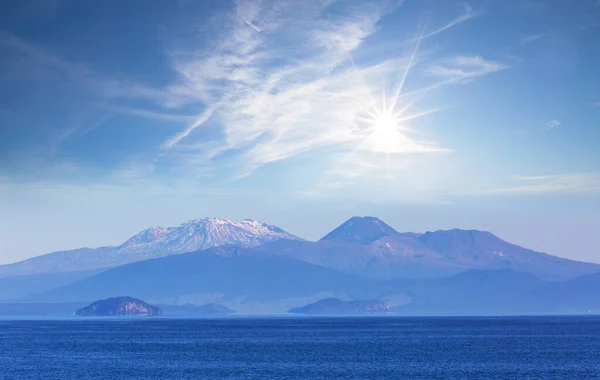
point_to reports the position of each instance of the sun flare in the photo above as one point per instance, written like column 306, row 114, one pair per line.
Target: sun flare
column 385, row 134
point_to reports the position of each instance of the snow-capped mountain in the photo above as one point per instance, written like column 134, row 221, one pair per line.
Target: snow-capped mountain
column 155, row 242
column 204, row 233
column 364, row 246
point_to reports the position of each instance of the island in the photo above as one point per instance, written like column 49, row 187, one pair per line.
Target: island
column 335, row 306
column 119, row 307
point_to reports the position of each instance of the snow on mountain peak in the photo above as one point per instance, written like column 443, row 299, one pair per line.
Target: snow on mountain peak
column 199, row 234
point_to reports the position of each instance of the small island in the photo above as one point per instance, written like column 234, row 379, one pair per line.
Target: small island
column 335, row 306
column 119, row 307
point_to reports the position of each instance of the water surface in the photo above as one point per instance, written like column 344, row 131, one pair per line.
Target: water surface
column 311, row 348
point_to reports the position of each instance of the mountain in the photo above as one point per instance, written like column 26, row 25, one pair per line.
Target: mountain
column 488, row 292
column 360, row 230
column 12, row 288
column 369, row 247
column 254, row 284
column 497, row 292
column 119, row 307
column 335, row 306
column 573, row 297
column 152, row 243
column 227, row 275
column 386, row 258
column 362, row 246
column 484, row 250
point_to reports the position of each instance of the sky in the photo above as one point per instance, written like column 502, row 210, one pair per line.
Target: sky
column 116, row 116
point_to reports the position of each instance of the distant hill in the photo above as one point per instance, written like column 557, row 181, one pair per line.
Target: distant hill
column 13, row 288
column 335, row 306
column 266, row 284
column 153, row 243
column 189, row 310
column 225, row 271
column 497, row 292
column 119, row 307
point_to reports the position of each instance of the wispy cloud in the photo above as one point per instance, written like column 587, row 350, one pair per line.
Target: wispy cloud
column 553, row 124
column 201, row 119
column 580, row 183
column 465, row 16
column 283, row 81
column 279, row 80
column 532, row 38
column 464, row 67
column 148, row 114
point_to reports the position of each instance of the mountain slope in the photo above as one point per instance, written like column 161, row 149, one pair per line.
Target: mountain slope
column 497, row 292
column 369, row 247
column 12, row 288
column 483, row 250
column 360, row 230
column 364, row 246
column 152, row 243
column 228, row 272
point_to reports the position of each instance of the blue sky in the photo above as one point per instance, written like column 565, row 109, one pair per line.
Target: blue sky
column 119, row 115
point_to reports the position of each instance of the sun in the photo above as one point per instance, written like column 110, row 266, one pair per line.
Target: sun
column 385, row 134
column 384, row 125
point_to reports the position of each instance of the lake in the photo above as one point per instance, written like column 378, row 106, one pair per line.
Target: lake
column 310, row 348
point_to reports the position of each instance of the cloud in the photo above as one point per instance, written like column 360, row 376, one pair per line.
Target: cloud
column 283, row 81
column 463, row 67
column 532, row 38
column 253, row 26
column 465, row 16
column 279, row 79
column 147, row 114
column 553, row 124
column 577, row 183
column 201, row 119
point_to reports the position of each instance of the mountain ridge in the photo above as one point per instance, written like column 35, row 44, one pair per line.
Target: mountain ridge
column 193, row 235
column 364, row 246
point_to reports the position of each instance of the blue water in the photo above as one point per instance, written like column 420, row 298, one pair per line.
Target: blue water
column 426, row 348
